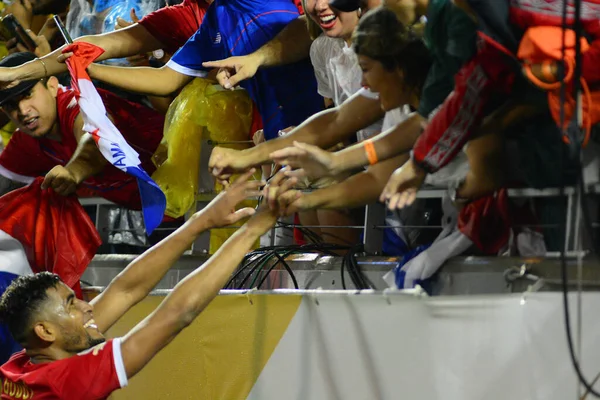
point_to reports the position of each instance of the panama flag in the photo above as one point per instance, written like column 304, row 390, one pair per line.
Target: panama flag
column 110, row 141
column 41, row 230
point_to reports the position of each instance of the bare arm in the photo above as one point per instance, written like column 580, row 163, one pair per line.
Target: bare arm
column 121, row 43
column 145, row 80
column 324, row 129
column 137, row 280
column 341, row 195
column 191, row 296
column 313, row 162
column 393, row 142
column 292, row 44
column 85, row 162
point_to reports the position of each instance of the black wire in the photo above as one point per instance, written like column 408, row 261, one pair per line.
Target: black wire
column 254, row 259
column 243, row 266
column 350, row 263
column 281, row 259
column 572, row 129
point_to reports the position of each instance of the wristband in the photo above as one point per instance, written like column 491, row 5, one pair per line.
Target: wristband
column 371, row 153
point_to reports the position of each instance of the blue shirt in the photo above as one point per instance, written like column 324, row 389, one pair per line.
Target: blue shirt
column 285, row 95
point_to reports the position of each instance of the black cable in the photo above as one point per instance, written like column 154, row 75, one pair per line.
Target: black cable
column 281, row 259
column 575, row 151
column 255, row 259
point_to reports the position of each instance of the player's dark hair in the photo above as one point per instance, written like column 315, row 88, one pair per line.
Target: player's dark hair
column 382, row 37
column 22, row 300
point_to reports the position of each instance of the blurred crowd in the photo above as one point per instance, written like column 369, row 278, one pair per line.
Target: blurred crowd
column 342, row 103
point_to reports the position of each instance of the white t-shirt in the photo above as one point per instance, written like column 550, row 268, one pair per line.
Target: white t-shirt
column 338, row 74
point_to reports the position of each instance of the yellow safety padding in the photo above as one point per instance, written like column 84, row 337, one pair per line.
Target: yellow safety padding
column 219, row 356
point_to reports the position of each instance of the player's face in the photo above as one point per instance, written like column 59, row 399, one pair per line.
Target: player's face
column 334, row 23
column 388, row 84
column 34, row 112
column 77, row 330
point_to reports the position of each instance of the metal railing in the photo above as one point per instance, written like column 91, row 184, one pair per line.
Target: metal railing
column 374, row 222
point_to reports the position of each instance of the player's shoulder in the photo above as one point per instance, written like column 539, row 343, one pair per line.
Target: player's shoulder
column 15, row 362
column 94, row 351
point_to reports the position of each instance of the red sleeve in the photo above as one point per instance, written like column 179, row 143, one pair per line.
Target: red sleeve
column 298, row 4
column 182, row 20
column 93, row 374
column 22, row 159
column 68, row 110
column 487, row 74
column 591, row 63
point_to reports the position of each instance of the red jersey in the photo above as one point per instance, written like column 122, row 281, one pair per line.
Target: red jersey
column 26, row 157
column 90, row 375
column 182, row 20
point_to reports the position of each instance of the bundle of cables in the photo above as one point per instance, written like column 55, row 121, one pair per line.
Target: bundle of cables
column 257, row 265
column 350, row 263
column 260, row 263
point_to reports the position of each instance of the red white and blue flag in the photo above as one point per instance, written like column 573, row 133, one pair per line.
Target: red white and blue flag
column 110, row 141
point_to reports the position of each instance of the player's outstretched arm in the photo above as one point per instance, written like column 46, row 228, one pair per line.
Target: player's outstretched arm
column 191, row 295
column 143, row 274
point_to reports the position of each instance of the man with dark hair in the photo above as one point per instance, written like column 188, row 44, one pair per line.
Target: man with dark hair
column 51, row 139
column 66, row 355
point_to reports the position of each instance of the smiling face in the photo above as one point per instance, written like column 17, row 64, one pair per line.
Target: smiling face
column 387, row 83
column 334, row 23
column 34, row 112
column 67, row 322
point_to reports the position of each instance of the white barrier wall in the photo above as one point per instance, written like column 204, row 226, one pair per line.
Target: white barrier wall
column 371, row 347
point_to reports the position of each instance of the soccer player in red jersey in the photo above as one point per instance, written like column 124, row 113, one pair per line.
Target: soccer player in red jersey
column 66, row 355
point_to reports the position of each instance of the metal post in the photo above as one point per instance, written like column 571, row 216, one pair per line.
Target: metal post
column 373, row 237
column 206, row 185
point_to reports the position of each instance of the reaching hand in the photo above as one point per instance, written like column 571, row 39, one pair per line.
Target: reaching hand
column 61, row 180
column 280, row 194
column 121, row 23
column 307, row 160
column 225, row 162
column 22, row 10
column 401, row 189
column 233, row 70
column 221, row 211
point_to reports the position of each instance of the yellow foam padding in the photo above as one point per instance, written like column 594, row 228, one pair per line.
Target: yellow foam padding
column 6, row 132
column 221, row 354
column 201, row 112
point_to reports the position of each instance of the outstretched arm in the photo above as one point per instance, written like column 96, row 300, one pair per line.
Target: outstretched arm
column 191, row 296
column 341, row 195
column 142, row 275
column 145, row 80
column 292, row 44
column 324, row 129
column 121, row 43
column 316, row 163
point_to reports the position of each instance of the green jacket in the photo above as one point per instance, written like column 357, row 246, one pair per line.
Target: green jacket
column 450, row 36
